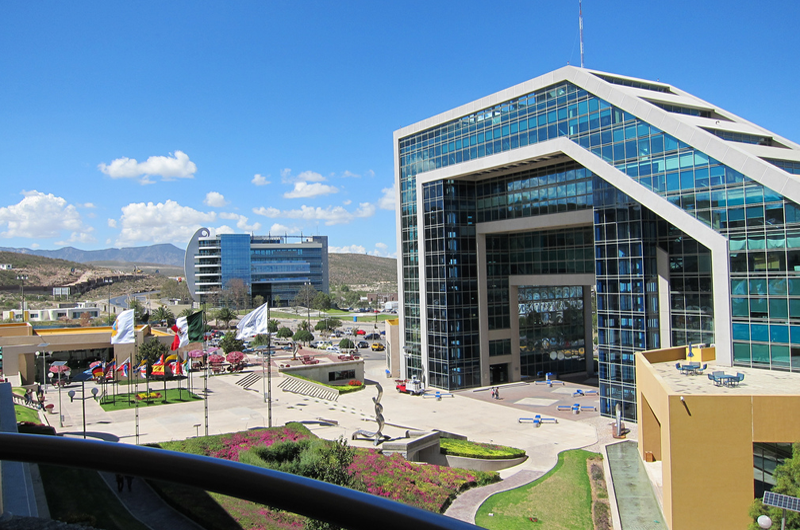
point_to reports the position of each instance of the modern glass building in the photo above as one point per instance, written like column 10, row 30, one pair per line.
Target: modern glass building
column 275, row 267
column 681, row 217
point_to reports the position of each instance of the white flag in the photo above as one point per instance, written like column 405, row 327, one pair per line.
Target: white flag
column 122, row 330
column 255, row 323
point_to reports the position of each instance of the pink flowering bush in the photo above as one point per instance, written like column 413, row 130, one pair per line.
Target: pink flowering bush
column 425, row 486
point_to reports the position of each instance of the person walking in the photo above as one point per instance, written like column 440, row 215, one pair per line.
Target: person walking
column 497, row 392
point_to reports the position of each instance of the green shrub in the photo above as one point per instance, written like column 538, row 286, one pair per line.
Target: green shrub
column 485, row 451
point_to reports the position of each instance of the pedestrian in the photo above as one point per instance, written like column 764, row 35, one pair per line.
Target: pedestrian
column 492, row 392
column 40, row 398
column 129, row 480
column 497, row 392
column 120, row 482
column 29, row 397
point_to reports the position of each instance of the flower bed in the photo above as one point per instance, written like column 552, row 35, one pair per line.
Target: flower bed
column 453, row 447
column 425, row 486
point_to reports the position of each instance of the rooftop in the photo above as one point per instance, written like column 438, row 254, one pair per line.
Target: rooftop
column 756, row 381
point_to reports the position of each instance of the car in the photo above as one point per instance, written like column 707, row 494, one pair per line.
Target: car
column 334, row 349
column 373, row 336
column 362, row 344
column 378, row 347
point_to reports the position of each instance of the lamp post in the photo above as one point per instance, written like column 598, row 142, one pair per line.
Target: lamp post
column 41, row 353
column 308, row 306
column 71, row 393
column 22, row 278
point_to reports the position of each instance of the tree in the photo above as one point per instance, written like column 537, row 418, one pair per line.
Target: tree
column 272, row 325
column 229, row 343
column 225, row 315
column 322, row 302
column 186, row 312
column 346, row 344
column 285, row 333
column 303, row 336
column 140, row 314
column 333, row 466
column 235, row 293
column 86, row 320
column 175, row 290
column 305, row 296
column 787, row 482
column 260, row 340
column 258, row 300
column 328, row 324
column 163, row 314
column 305, row 325
column 150, row 352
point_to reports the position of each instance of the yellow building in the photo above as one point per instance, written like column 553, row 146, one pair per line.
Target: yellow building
column 703, row 436
column 20, row 343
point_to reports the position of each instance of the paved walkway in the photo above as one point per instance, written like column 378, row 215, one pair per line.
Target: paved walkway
column 147, row 506
column 232, row 408
column 466, row 505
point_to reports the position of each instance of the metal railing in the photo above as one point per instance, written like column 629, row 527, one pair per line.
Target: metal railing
column 334, row 504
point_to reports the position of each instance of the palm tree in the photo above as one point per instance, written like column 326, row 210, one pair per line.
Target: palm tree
column 186, row 312
column 163, row 314
column 226, row 315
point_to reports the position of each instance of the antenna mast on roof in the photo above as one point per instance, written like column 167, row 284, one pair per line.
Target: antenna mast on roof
column 580, row 25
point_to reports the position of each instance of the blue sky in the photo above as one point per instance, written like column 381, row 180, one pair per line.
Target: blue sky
column 133, row 123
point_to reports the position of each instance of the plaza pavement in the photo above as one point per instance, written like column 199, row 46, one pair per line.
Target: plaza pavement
column 472, row 413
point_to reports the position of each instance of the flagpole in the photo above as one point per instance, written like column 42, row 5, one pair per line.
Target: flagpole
column 205, row 377
column 136, row 383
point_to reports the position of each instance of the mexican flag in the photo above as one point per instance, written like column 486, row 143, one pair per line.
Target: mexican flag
column 188, row 329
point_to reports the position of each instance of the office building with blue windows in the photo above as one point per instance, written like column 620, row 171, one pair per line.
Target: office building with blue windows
column 274, row 267
column 681, row 218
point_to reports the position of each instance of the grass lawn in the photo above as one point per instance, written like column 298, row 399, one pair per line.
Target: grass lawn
column 381, row 318
column 561, row 499
column 343, row 389
column 127, row 401
column 80, row 496
column 26, row 414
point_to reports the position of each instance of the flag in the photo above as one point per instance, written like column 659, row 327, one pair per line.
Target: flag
column 143, row 370
column 122, row 330
column 158, row 367
column 110, row 368
column 188, row 329
column 97, row 370
column 176, row 367
column 124, row 367
column 254, row 323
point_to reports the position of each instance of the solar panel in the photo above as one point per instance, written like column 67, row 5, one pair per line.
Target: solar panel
column 781, row 501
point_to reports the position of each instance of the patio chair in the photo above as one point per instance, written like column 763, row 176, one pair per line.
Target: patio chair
column 678, row 366
column 739, row 378
column 701, row 370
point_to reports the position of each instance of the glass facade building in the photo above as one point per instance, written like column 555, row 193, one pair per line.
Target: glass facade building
column 274, row 267
column 681, row 217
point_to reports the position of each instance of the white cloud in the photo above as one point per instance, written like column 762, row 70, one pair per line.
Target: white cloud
column 79, row 237
column 112, row 223
column 382, row 246
column 224, row 229
column 305, row 176
column 348, row 202
column 35, row 245
column 332, row 215
column 40, row 215
column 215, row 200
column 349, row 249
column 260, row 180
column 167, row 167
column 386, row 202
column 87, row 205
column 241, row 222
column 304, row 190
column 279, row 229
column 350, row 174
column 165, row 222
column 369, row 173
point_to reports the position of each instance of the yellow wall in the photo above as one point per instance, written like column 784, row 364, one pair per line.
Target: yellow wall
column 706, row 445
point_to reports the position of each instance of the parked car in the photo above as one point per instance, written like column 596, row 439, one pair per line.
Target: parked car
column 373, row 336
column 362, row 344
column 377, row 346
column 334, row 349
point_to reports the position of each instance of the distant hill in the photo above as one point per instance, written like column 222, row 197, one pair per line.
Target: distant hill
column 164, row 254
column 361, row 269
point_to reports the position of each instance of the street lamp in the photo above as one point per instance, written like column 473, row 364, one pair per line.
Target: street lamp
column 71, row 393
column 41, row 353
column 22, row 278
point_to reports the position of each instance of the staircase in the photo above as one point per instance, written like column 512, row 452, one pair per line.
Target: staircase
column 248, row 381
column 307, row 388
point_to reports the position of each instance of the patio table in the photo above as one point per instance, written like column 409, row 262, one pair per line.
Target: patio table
column 728, row 380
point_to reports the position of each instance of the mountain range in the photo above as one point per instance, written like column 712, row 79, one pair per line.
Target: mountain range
column 164, row 254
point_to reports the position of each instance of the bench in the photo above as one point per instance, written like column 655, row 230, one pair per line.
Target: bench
column 438, row 395
column 565, row 407
column 537, row 420
column 580, row 393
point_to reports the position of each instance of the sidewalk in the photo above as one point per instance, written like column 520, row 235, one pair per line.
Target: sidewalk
column 146, row 506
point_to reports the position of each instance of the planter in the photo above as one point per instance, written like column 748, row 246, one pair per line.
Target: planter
column 482, row 464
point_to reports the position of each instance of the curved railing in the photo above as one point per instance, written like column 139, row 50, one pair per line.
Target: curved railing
column 319, row 500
